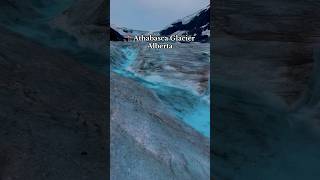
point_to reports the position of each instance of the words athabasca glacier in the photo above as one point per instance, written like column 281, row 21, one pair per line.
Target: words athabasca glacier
column 156, row 41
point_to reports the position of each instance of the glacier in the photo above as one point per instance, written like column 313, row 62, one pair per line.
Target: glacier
column 178, row 77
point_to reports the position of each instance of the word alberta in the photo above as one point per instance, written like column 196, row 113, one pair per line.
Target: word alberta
column 155, row 41
column 160, row 46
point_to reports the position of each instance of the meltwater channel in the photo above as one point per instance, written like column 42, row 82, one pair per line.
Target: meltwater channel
column 178, row 77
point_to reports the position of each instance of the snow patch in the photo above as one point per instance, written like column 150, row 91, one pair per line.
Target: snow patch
column 206, row 32
column 125, row 32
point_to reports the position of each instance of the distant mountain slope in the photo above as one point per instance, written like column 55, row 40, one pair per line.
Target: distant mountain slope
column 197, row 24
column 128, row 32
column 115, row 35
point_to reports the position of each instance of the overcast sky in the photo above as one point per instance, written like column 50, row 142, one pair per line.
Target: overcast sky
column 151, row 14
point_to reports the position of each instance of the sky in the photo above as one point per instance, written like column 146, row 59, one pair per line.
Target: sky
column 151, row 15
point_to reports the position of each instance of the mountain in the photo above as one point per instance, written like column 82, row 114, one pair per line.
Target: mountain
column 121, row 33
column 128, row 32
column 197, row 24
column 115, row 35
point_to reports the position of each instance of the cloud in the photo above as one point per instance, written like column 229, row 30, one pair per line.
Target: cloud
column 173, row 5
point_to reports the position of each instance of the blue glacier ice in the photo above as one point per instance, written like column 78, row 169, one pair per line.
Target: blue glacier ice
column 166, row 73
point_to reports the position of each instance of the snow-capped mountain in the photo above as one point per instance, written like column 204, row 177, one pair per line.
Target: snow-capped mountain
column 197, row 24
column 123, row 31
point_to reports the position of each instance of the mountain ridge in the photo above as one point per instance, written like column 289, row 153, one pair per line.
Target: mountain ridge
column 196, row 24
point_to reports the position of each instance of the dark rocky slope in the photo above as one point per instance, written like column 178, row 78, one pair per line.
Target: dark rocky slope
column 115, row 36
column 195, row 25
